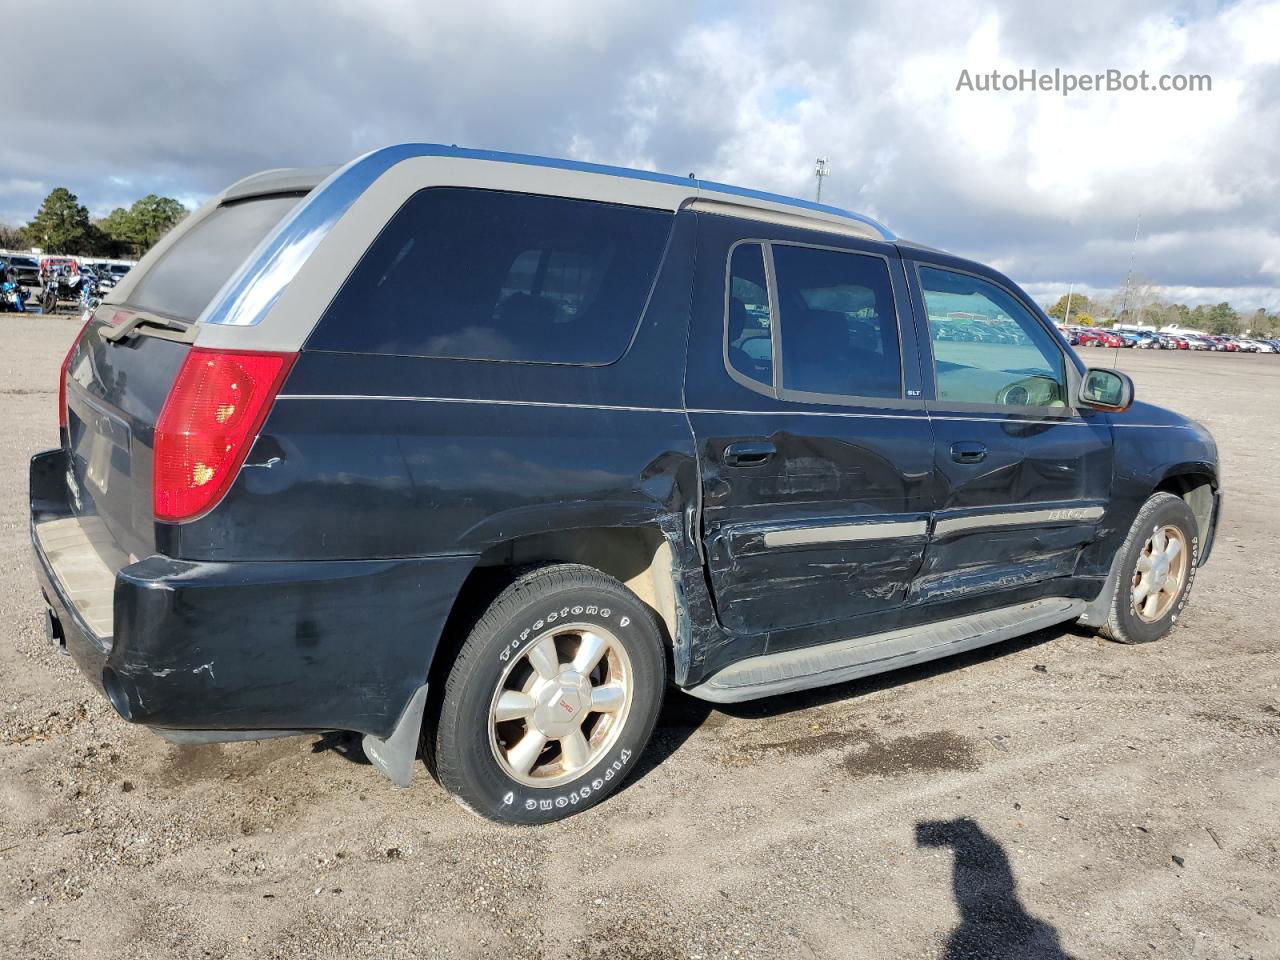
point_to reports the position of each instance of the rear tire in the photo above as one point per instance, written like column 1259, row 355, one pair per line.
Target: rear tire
column 1157, row 566
column 551, row 698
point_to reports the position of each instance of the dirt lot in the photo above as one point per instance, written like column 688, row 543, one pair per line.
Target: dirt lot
column 1053, row 796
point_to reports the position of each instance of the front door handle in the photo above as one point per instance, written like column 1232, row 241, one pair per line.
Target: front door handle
column 968, row 451
column 749, row 453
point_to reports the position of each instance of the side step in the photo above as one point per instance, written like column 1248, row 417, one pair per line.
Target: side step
column 791, row 670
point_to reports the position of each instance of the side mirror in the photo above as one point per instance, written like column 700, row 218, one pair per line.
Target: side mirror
column 1107, row 390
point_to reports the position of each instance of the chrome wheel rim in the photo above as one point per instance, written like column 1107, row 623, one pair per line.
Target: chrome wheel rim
column 560, row 705
column 1160, row 573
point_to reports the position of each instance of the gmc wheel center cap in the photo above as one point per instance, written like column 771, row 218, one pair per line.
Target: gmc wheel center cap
column 562, row 703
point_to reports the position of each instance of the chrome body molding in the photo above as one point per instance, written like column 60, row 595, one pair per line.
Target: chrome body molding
column 846, row 533
column 1057, row 514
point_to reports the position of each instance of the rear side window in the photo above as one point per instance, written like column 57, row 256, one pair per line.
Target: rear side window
column 485, row 275
column 748, row 331
column 183, row 281
column 839, row 328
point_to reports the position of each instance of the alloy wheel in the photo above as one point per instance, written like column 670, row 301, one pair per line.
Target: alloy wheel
column 560, row 705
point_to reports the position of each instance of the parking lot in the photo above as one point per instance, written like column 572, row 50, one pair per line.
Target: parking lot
column 1053, row 796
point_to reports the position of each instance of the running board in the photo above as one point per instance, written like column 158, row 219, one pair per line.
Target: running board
column 841, row 660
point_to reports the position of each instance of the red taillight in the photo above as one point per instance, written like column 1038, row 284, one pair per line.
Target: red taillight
column 214, row 411
column 62, row 374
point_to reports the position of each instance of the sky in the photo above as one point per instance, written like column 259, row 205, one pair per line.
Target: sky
column 182, row 99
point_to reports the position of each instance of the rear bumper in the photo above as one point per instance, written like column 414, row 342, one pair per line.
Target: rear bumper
column 253, row 646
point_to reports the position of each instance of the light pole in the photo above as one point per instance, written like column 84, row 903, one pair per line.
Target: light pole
column 821, row 169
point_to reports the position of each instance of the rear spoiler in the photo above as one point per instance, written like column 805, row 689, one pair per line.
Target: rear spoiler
column 273, row 182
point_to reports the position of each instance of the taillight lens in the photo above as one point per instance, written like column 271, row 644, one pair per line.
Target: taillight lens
column 62, row 374
column 213, row 413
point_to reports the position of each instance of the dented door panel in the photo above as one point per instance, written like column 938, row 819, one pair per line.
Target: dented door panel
column 833, row 526
column 1020, row 517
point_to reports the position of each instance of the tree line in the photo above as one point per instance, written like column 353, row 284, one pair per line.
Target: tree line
column 62, row 225
column 1143, row 305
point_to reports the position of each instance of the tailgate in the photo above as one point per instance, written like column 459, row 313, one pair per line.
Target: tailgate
column 116, row 388
column 115, row 391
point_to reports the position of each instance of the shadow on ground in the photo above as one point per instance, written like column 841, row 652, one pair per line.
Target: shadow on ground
column 994, row 925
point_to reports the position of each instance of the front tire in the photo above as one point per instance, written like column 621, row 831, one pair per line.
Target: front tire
column 1157, row 565
column 551, row 699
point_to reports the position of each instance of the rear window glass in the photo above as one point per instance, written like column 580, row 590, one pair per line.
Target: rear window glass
column 183, row 281
column 487, row 275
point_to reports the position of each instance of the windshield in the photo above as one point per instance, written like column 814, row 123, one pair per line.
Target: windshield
column 183, row 281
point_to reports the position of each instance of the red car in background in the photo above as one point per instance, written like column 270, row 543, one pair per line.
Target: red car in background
column 1100, row 338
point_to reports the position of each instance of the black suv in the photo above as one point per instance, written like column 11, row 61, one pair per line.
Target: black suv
column 475, row 453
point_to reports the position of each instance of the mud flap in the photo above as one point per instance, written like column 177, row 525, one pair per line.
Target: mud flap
column 394, row 756
column 1099, row 609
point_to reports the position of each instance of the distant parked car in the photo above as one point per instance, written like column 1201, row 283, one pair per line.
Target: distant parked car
column 1100, row 338
column 25, row 269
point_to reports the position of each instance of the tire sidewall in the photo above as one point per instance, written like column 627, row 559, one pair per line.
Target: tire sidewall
column 1170, row 511
column 486, row 787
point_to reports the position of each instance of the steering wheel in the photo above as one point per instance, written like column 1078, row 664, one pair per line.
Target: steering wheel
column 1034, row 391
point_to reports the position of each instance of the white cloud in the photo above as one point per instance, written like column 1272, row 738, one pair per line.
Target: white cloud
column 1045, row 186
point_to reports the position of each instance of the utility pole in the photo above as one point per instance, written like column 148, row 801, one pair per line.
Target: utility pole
column 1070, row 290
column 821, row 169
column 1124, row 306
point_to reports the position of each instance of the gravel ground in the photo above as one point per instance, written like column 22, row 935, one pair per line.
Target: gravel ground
column 1052, row 796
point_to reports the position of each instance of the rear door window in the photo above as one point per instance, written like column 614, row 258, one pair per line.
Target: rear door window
column 183, row 281
column 487, row 275
column 838, row 322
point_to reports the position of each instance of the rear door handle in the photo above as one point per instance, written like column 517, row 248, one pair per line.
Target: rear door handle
column 749, row 453
column 968, row 451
